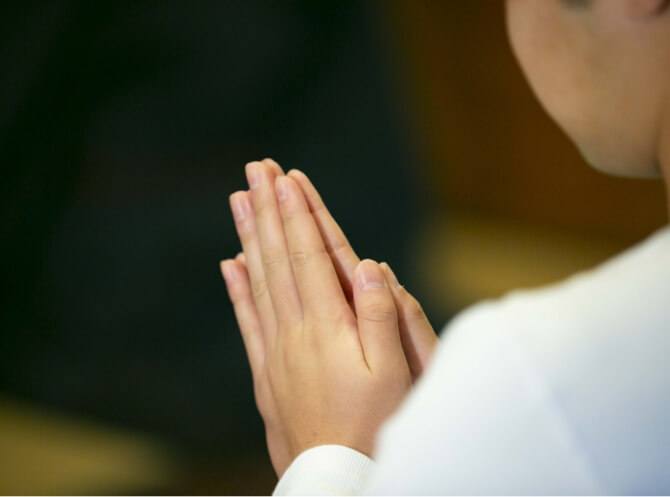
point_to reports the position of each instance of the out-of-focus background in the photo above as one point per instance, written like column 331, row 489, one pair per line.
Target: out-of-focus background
column 124, row 126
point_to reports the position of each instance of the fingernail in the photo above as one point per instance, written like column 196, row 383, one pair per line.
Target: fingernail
column 391, row 275
column 238, row 207
column 370, row 275
column 281, row 188
column 227, row 272
column 253, row 175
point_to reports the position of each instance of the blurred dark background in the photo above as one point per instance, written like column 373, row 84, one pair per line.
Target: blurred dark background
column 124, row 126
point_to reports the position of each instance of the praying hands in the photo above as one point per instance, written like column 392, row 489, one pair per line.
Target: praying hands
column 334, row 343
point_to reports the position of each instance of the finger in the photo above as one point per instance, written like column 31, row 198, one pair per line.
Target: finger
column 377, row 318
column 242, row 259
column 243, row 213
column 272, row 244
column 276, row 168
column 344, row 258
column 416, row 334
column 239, row 291
column 320, row 291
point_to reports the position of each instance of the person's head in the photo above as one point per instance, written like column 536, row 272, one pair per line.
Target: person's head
column 601, row 69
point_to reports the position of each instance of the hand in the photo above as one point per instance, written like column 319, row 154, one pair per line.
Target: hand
column 248, row 292
column 418, row 337
column 333, row 376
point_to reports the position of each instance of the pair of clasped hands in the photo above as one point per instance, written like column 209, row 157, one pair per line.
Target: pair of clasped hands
column 334, row 343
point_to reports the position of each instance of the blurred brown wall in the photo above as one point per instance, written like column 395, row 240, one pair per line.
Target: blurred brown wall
column 492, row 147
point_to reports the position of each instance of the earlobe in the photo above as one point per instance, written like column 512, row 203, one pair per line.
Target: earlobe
column 646, row 8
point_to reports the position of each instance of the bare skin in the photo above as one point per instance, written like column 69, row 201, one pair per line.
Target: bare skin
column 334, row 343
column 603, row 74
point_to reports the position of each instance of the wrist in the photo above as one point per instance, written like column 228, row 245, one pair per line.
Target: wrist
column 326, row 470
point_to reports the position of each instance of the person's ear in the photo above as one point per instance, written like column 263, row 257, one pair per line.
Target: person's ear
column 641, row 9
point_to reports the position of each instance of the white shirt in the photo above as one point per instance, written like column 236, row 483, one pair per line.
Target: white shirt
column 563, row 390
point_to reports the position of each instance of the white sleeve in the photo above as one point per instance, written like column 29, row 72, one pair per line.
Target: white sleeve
column 481, row 421
column 326, row 470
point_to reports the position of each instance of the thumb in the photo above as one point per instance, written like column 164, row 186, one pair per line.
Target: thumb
column 377, row 317
column 417, row 335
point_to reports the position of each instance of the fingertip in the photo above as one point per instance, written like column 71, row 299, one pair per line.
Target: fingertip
column 241, row 258
column 290, row 195
column 240, row 205
column 251, row 162
column 300, row 178
column 369, row 275
column 252, row 170
column 293, row 184
column 312, row 196
column 227, row 271
column 273, row 165
column 296, row 172
column 390, row 275
column 281, row 187
column 234, row 195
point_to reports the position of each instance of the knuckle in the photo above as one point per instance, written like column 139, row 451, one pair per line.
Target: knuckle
column 272, row 260
column 380, row 312
column 259, row 289
column 337, row 245
column 320, row 210
column 260, row 207
column 246, row 231
column 300, row 259
column 415, row 309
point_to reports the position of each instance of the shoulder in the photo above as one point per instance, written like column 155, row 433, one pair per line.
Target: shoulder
column 523, row 390
column 597, row 325
column 619, row 307
column 599, row 341
column 481, row 420
column 634, row 286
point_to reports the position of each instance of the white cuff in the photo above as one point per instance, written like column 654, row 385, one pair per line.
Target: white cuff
column 326, row 470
